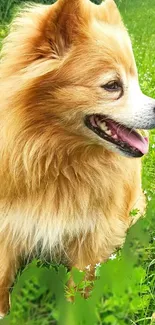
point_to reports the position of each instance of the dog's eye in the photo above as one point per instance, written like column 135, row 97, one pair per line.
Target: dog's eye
column 113, row 86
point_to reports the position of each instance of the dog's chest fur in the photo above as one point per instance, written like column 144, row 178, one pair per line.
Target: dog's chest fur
column 89, row 201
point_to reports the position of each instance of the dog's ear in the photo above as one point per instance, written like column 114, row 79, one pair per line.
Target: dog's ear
column 65, row 22
column 109, row 12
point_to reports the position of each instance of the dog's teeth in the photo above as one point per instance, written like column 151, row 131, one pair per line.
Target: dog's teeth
column 108, row 132
column 103, row 126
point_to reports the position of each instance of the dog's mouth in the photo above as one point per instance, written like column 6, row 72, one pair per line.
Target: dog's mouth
column 127, row 140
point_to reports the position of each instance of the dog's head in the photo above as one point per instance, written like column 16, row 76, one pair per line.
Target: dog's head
column 77, row 68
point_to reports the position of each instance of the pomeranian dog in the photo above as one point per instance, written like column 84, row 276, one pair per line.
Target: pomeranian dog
column 70, row 107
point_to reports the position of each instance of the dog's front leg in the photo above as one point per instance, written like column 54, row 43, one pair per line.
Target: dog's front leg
column 8, row 267
column 84, row 256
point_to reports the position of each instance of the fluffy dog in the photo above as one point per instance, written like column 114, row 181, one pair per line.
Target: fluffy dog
column 70, row 107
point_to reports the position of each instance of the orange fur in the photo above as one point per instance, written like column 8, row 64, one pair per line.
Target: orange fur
column 60, row 187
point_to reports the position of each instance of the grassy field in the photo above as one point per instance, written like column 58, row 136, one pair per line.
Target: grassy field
column 124, row 292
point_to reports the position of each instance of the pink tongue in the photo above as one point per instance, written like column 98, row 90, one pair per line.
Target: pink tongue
column 134, row 141
column 131, row 137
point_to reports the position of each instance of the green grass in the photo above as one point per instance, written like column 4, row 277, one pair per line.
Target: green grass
column 125, row 290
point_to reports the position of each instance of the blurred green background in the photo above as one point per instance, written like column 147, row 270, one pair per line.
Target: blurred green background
column 124, row 292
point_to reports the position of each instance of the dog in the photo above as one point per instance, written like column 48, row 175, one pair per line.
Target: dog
column 70, row 113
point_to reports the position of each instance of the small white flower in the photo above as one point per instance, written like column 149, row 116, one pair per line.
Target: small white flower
column 145, row 191
column 97, row 265
column 88, row 267
column 153, row 146
column 112, row 257
column 149, row 198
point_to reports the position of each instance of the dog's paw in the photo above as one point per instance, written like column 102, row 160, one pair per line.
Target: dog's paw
column 2, row 316
column 4, row 304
